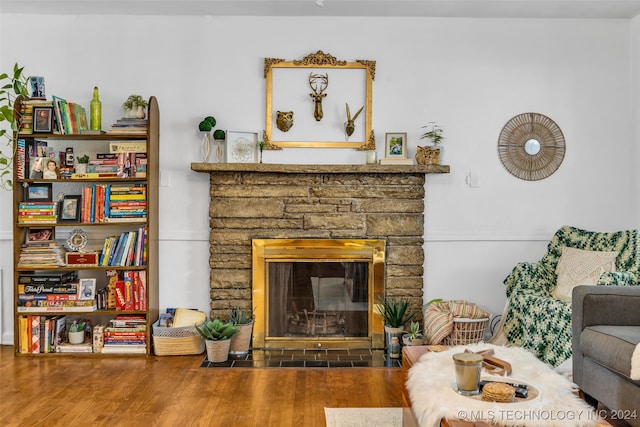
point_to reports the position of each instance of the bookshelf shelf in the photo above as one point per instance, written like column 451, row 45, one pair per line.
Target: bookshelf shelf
column 128, row 290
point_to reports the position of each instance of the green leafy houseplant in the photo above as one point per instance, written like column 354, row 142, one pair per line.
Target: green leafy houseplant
column 434, row 133
column 395, row 312
column 216, row 330
column 414, row 337
column 83, row 159
column 12, row 86
column 77, row 327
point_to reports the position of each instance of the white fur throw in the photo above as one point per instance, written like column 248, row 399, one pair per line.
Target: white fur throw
column 431, row 386
column 635, row 363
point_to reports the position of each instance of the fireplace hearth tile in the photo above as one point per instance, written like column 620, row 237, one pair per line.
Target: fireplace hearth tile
column 308, row 358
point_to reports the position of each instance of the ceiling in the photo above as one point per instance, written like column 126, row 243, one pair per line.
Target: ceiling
column 589, row 9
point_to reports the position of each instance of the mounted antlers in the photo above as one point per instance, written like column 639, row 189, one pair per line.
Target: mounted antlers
column 350, row 126
column 318, row 84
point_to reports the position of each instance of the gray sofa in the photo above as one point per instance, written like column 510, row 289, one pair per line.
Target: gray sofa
column 606, row 330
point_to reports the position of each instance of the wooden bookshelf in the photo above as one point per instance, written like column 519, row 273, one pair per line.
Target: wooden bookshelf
column 143, row 258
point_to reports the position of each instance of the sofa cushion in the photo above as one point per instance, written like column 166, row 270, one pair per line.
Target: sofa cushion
column 579, row 267
column 611, row 346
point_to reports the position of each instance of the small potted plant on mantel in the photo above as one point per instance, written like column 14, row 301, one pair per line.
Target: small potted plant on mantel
column 431, row 155
column 217, row 335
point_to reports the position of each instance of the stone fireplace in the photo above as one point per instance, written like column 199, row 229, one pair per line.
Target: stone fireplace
column 270, row 201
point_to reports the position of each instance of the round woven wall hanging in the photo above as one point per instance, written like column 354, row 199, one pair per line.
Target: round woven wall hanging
column 531, row 146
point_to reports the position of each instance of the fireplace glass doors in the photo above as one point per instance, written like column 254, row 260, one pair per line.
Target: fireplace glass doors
column 317, row 293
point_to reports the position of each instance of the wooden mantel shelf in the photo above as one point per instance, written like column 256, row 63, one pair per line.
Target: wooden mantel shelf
column 287, row 168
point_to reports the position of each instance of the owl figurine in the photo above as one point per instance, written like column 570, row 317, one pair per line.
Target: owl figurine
column 284, row 120
column 428, row 155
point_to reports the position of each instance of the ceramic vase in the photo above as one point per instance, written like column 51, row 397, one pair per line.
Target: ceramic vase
column 206, row 146
column 76, row 337
column 81, row 168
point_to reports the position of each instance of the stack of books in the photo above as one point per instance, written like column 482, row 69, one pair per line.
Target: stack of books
column 127, row 203
column 129, row 126
column 126, row 334
column 37, row 212
column 46, row 255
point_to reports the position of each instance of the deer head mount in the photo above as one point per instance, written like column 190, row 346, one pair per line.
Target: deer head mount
column 318, row 83
column 350, row 126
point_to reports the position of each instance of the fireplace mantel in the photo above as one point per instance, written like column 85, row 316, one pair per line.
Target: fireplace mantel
column 293, row 201
column 290, row 168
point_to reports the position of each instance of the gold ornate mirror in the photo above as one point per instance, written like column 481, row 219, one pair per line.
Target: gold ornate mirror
column 531, row 146
column 319, row 101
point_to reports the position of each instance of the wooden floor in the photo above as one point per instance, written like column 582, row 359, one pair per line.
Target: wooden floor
column 174, row 391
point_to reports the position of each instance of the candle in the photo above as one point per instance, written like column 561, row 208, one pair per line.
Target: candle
column 467, row 367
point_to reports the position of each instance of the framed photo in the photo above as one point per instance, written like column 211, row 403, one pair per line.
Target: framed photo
column 242, row 147
column 69, row 210
column 396, row 145
column 36, row 87
column 37, row 235
column 87, row 289
column 42, row 119
column 40, row 192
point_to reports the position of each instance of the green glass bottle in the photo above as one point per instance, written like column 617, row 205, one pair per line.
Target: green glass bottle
column 96, row 111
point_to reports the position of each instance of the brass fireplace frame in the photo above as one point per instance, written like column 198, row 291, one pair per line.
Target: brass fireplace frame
column 317, row 250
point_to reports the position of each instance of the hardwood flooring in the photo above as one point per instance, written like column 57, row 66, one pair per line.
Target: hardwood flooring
column 175, row 391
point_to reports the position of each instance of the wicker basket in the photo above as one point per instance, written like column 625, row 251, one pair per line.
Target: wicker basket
column 176, row 341
column 467, row 331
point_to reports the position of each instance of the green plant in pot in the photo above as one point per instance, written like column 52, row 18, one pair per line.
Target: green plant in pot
column 242, row 318
column 414, row 337
column 12, row 86
column 83, row 161
column 217, row 335
column 395, row 312
column 134, row 107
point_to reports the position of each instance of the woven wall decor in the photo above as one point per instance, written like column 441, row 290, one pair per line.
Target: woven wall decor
column 531, row 146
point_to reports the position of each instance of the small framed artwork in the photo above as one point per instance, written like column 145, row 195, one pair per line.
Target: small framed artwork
column 36, row 87
column 42, row 119
column 36, row 235
column 69, row 210
column 396, row 145
column 242, row 147
column 40, row 192
column 87, row 289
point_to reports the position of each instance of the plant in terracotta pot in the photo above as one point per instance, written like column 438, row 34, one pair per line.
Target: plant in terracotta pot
column 414, row 337
column 242, row 318
column 217, row 335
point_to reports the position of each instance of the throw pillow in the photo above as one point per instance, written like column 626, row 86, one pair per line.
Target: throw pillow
column 580, row 267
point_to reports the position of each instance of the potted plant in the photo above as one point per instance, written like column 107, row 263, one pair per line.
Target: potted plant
column 431, row 155
column 83, row 161
column 242, row 319
column 395, row 312
column 134, row 107
column 11, row 87
column 217, row 335
column 206, row 127
column 76, row 332
column 414, row 337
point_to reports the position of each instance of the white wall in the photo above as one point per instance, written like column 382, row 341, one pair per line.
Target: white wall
column 469, row 75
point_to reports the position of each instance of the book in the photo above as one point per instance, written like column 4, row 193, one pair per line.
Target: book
column 128, row 147
column 125, row 348
column 65, row 347
column 397, row 161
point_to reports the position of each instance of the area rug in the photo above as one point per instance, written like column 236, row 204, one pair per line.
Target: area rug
column 363, row 417
column 432, row 390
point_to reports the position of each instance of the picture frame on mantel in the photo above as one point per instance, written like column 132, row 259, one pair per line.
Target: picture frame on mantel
column 242, row 147
column 395, row 145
